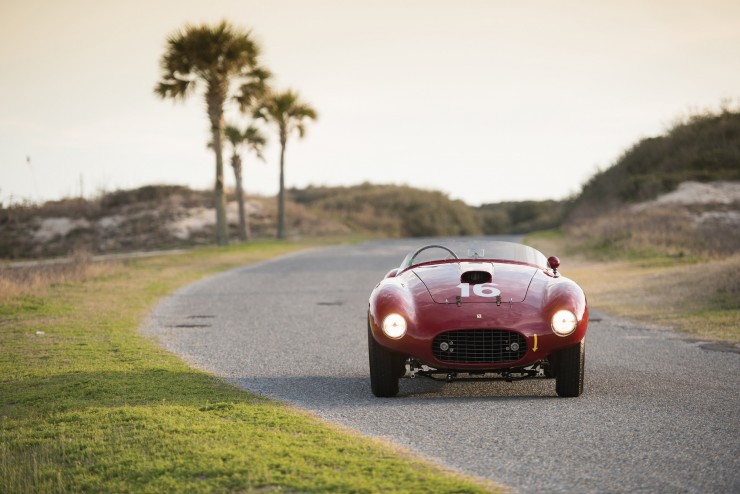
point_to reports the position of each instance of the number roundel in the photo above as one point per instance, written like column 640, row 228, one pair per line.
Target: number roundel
column 486, row 290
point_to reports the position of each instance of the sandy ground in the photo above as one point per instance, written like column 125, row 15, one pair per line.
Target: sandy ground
column 689, row 193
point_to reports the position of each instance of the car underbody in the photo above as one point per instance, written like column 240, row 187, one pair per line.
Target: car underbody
column 540, row 370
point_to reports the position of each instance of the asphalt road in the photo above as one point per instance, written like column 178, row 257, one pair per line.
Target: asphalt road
column 659, row 412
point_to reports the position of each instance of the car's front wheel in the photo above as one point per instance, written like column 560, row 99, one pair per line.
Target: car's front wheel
column 569, row 369
column 385, row 368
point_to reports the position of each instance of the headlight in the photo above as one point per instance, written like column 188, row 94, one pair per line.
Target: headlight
column 394, row 326
column 564, row 322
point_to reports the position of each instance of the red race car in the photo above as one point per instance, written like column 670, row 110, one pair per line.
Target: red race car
column 477, row 310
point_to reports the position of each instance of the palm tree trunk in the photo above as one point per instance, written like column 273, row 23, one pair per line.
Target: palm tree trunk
column 281, row 192
column 236, row 162
column 217, row 129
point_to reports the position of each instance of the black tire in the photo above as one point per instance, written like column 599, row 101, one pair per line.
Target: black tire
column 385, row 368
column 569, row 370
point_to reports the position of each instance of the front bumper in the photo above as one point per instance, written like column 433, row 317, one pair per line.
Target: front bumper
column 478, row 337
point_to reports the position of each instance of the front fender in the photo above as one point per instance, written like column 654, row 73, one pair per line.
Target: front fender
column 563, row 293
column 391, row 296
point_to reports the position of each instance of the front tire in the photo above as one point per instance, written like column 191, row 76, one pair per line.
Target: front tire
column 385, row 368
column 569, row 370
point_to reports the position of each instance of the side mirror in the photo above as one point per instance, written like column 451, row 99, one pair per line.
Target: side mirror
column 554, row 263
column 392, row 273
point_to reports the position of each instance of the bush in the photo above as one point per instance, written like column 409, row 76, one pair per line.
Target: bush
column 705, row 147
column 521, row 217
column 391, row 210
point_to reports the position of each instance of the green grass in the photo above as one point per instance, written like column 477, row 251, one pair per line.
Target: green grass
column 87, row 404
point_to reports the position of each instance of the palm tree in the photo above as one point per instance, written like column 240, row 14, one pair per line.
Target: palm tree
column 249, row 94
column 288, row 113
column 213, row 57
column 255, row 141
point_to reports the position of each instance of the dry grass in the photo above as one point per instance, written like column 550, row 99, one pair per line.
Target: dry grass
column 670, row 229
column 698, row 297
column 18, row 282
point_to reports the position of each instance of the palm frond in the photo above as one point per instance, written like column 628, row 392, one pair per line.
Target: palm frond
column 255, row 140
column 233, row 135
column 255, row 87
column 286, row 110
column 213, row 55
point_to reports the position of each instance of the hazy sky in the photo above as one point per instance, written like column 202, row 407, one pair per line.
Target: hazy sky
column 484, row 100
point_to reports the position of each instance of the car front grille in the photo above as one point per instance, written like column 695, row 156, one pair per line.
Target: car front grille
column 479, row 346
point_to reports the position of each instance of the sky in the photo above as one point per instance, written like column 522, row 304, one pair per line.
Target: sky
column 484, row 100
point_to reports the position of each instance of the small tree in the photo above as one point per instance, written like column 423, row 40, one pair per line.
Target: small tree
column 255, row 141
column 213, row 57
column 288, row 113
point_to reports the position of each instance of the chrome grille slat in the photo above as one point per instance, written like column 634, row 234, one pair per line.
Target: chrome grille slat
column 479, row 346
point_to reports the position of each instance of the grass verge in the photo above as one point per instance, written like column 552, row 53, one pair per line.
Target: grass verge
column 699, row 296
column 87, row 404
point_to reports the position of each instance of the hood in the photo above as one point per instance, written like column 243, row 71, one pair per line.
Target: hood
column 444, row 282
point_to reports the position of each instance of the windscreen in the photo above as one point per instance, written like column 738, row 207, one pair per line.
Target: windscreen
column 475, row 250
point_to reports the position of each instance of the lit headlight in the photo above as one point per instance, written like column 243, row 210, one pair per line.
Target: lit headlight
column 564, row 322
column 394, row 326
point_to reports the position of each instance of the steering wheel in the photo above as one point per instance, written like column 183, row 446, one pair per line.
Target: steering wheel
column 426, row 247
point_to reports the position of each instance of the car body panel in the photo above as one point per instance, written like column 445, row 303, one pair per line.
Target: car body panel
column 510, row 281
